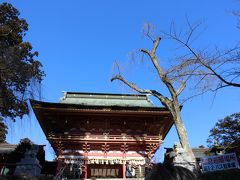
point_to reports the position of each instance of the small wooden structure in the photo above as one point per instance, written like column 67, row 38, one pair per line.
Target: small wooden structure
column 103, row 135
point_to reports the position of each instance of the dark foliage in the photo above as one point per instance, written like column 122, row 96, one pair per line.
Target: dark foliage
column 20, row 73
column 226, row 132
column 24, row 145
column 3, row 131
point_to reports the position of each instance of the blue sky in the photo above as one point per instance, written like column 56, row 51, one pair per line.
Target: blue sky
column 79, row 41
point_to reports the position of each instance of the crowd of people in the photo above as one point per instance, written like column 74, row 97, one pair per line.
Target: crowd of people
column 165, row 171
column 169, row 172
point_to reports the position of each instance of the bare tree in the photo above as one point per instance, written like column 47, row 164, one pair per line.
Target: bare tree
column 175, row 89
column 202, row 69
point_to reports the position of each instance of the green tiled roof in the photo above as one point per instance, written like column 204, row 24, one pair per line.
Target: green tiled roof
column 103, row 99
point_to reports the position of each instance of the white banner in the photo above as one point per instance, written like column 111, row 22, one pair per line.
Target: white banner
column 219, row 162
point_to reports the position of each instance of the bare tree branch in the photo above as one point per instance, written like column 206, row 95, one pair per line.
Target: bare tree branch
column 163, row 99
column 147, row 33
column 160, row 71
column 181, row 88
column 229, row 83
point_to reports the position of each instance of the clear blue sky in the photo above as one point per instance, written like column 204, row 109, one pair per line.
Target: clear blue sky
column 79, row 41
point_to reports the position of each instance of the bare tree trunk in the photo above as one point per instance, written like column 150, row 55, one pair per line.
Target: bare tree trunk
column 182, row 133
column 181, row 130
column 175, row 109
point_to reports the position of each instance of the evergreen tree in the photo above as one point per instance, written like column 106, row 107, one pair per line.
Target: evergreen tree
column 20, row 73
column 226, row 132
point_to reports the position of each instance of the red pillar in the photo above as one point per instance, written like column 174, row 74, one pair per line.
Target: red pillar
column 85, row 170
column 85, row 154
column 124, row 169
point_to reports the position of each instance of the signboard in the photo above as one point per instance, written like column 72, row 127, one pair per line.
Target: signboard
column 219, row 162
column 104, row 171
